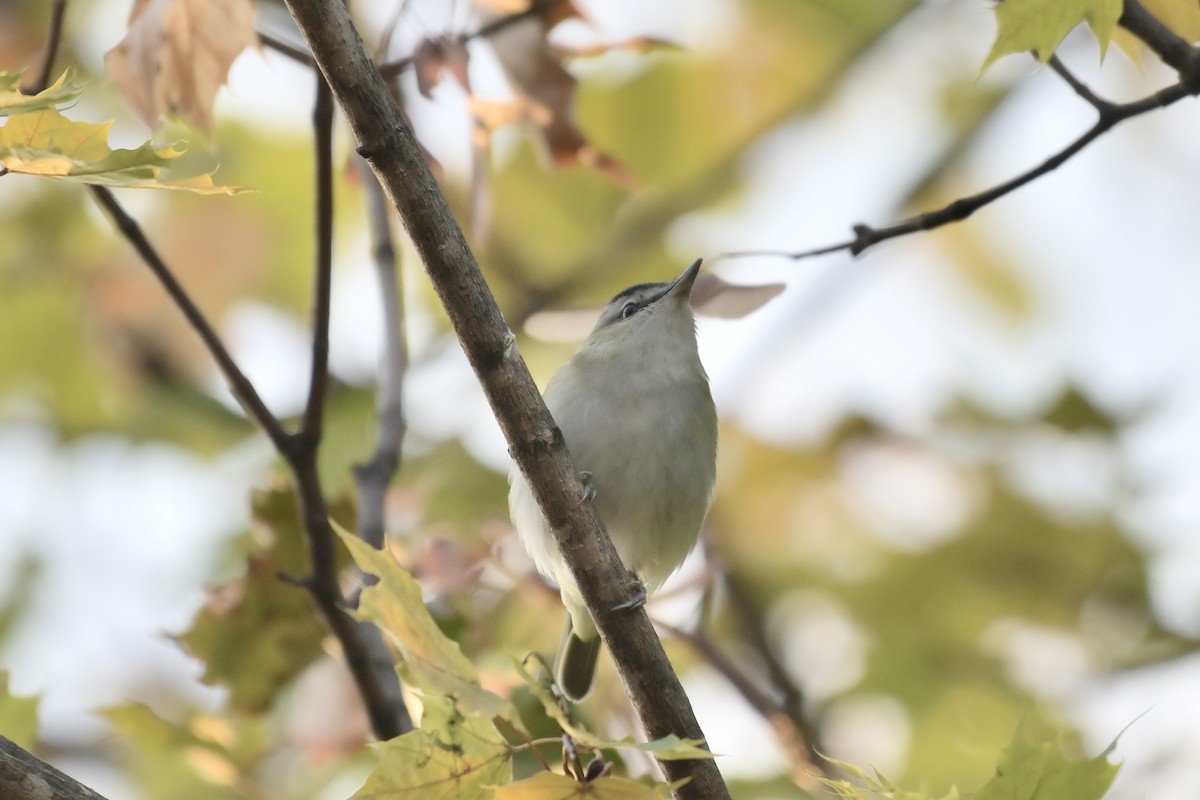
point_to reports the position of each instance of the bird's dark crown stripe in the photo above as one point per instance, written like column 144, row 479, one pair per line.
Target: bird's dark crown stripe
column 641, row 292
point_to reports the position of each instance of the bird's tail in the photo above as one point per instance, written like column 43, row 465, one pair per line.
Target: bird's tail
column 576, row 664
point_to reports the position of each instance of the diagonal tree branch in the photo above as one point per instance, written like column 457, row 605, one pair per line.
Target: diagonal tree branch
column 24, row 776
column 535, row 442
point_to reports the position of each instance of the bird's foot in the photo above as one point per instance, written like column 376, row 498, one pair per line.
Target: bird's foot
column 589, row 488
column 637, row 595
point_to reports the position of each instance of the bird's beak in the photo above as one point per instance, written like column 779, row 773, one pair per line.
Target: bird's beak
column 682, row 287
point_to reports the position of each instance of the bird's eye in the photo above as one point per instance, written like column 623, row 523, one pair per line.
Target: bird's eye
column 629, row 310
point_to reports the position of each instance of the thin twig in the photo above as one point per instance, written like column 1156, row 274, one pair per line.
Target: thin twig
column 58, row 11
column 1110, row 115
column 374, row 474
column 753, row 626
column 297, row 54
column 366, row 652
column 796, row 746
column 322, row 116
column 386, row 710
column 389, row 29
column 239, row 384
column 1079, row 87
column 391, row 69
column 386, row 719
column 1172, row 49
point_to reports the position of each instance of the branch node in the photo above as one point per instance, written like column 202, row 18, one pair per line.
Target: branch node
column 302, row 581
column 864, row 237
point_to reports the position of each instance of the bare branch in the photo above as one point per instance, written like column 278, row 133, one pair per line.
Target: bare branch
column 376, row 681
column 1079, row 87
column 366, row 653
column 23, row 776
column 386, row 719
column 534, row 440
column 312, row 423
column 58, row 11
column 1109, row 116
column 297, row 54
column 796, row 746
column 239, row 384
column 374, row 475
column 388, row 716
column 752, row 625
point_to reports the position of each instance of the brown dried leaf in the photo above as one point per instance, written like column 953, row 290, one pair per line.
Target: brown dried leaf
column 552, row 13
column 177, row 53
column 546, row 91
column 711, row 297
column 433, row 56
column 457, row 60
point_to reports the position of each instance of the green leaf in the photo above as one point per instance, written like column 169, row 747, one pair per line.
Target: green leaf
column 668, row 748
column 430, row 661
column 871, row 785
column 1039, row 25
column 552, row 786
column 48, row 145
column 257, row 632
column 18, row 715
column 1025, row 771
column 452, row 755
column 1028, row 771
column 198, row 757
column 14, row 101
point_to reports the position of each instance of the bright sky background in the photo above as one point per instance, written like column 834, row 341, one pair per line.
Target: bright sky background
column 1108, row 243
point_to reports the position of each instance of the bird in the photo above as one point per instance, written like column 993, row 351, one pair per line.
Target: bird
column 638, row 419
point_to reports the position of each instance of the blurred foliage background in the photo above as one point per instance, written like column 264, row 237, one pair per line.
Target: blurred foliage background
column 953, row 477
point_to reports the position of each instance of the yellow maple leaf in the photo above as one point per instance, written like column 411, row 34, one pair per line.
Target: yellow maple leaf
column 1039, row 25
column 14, row 101
column 47, row 144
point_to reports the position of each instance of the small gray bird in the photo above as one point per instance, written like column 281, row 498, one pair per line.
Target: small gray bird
column 635, row 410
